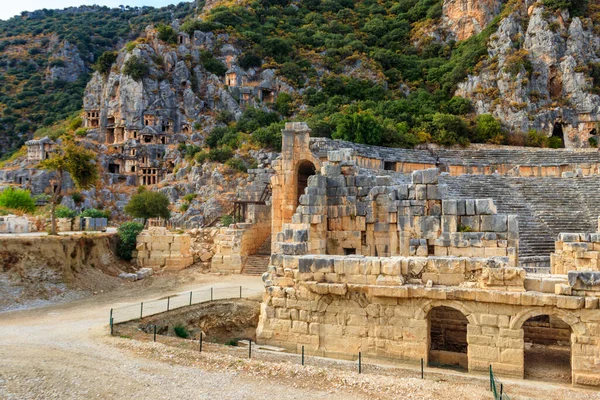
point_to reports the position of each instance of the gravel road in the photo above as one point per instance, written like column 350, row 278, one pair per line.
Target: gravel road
column 64, row 352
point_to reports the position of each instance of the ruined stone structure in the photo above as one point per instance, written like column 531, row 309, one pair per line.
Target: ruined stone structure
column 157, row 248
column 40, row 149
column 395, row 266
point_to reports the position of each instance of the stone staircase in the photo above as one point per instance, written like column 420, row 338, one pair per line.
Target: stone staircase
column 545, row 206
column 257, row 264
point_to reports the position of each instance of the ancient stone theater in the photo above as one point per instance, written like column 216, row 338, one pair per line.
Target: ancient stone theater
column 456, row 257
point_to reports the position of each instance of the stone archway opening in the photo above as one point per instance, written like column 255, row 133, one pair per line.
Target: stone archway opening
column 448, row 347
column 547, row 349
column 557, row 132
column 305, row 170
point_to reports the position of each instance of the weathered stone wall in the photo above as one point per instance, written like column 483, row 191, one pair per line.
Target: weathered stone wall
column 338, row 306
column 345, row 211
column 159, row 248
column 234, row 245
column 576, row 252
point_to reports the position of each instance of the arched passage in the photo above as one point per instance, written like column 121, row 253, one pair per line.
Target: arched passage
column 547, row 351
column 557, row 131
column 305, row 169
column 448, row 345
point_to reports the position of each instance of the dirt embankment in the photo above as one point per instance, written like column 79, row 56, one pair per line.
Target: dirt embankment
column 34, row 269
column 222, row 321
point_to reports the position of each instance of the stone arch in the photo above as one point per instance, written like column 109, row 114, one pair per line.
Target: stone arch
column 447, row 332
column 577, row 327
column 430, row 304
column 304, row 169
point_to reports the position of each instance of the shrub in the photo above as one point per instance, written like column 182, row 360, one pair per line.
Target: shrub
column 211, row 64
column 269, row 137
column 167, row 34
column 221, row 154
column 81, row 132
column 136, row 68
column 488, row 130
column 232, row 342
column 77, row 197
column 226, row 220
column 17, row 199
column 181, row 331
column 65, row 212
column 361, row 127
column 536, row 139
column 554, row 142
column 128, row 233
column 593, row 141
column 105, row 62
column 95, row 213
column 237, row 164
column 189, row 197
column 184, row 207
column 249, row 60
column 201, row 157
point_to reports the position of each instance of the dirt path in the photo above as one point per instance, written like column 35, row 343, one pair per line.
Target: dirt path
column 65, row 352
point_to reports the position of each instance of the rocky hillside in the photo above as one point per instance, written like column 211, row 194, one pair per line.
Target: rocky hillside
column 46, row 58
column 189, row 99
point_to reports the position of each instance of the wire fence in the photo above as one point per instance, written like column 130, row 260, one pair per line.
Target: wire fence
column 497, row 387
column 173, row 302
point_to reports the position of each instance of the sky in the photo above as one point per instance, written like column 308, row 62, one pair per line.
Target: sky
column 10, row 8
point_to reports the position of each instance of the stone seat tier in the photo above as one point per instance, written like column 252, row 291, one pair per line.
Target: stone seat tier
column 471, row 156
column 545, row 206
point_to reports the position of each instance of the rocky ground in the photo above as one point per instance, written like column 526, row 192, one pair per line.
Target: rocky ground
column 65, row 352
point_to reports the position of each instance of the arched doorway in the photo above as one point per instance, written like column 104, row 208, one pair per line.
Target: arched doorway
column 448, row 347
column 547, row 349
column 305, row 169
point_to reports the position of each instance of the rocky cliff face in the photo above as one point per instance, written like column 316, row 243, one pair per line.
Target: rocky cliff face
column 538, row 75
column 465, row 18
column 65, row 61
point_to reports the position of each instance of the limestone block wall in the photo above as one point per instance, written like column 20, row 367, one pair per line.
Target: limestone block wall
column 234, row 245
column 576, row 252
column 338, row 306
column 349, row 211
column 14, row 224
column 159, row 248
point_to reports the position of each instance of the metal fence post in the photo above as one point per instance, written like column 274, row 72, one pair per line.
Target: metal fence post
column 359, row 363
column 250, row 348
column 422, row 372
column 111, row 326
column 141, row 309
column 240, row 292
column 190, row 297
column 155, row 333
column 211, row 294
column 501, row 390
column 302, row 354
column 200, row 341
column 111, row 312
column 168, row 302
column 491, row 380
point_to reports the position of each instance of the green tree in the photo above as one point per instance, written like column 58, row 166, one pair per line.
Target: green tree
column 359, row 127
column 147, row 204
column 76, row 161
column 128, row 233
